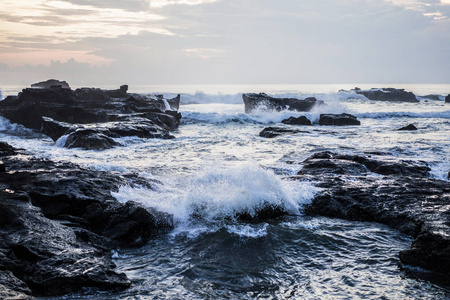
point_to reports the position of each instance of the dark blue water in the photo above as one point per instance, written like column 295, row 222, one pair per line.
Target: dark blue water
column 289, row 258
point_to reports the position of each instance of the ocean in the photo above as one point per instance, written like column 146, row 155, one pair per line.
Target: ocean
column 218, row 165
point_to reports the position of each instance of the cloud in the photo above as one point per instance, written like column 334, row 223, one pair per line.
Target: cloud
column 232, row 41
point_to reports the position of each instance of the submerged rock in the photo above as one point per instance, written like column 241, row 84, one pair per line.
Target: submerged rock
column 405, row 198
column 271, row 132
column 338, row 120
column 59, row 223
column 263, row 101
column 387, row 94
column 408, row 127
column 297, row 121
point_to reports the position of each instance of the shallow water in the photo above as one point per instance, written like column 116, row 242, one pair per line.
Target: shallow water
column 219, row 166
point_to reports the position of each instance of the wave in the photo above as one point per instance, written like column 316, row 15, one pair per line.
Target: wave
column 405, row 114
column 215, row 197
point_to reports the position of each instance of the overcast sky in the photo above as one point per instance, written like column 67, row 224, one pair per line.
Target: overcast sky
column 102, row 42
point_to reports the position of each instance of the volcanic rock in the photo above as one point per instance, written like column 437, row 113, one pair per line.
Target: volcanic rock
column 51, row 83
column 33, row 106
column 59, row 223
column 409, row 127
column 297, row 121
column 271, row 132
column 338, row 119
column 404, row 197
column 263, row 101
column 100, row 136
column 387, row 94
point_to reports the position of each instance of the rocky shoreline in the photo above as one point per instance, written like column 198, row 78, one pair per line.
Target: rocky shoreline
column 59, row 224
column 397, row 193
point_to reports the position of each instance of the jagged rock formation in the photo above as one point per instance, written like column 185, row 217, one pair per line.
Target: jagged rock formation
column 263, row 101
column 403, row 197
column 387, row 94
column 59, row 223
column 115, row 108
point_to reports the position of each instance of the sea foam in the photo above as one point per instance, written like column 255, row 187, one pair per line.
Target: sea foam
column 215, row 196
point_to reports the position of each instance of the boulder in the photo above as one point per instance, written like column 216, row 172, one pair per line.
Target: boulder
column 338, row 120
column 89, row 139
column 51, row 83
column 387, row 94
column 271, row 132
column 403, row 197
column 297, row 121
column 408, row 127
column 447, row 99
column 254, row 101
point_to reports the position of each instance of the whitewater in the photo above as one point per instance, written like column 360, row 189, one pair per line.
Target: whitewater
column 218, row 166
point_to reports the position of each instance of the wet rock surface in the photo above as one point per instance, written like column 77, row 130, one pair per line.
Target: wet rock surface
column 59, row 223
column 447, row 99
column 393, row 192
column 387, row 94
column 338, row 120
column 297, row 121
column 122, row 113
column 408, row 127
column 271, row 132
column 263, row 101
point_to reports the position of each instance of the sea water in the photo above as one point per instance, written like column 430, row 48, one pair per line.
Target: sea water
column 218, row 166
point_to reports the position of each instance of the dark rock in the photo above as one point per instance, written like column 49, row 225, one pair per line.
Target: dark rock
column 405, row 198
column 59, row 223
column 297, row 121
column 271, row 132
column 338, row 120
column 55, row 129
column 409, row 127
column 100, row 136
column 51, row 83
column 33, row 108
column 262, row 101
column 387, row 94
column 89, row 139
column 447, row 99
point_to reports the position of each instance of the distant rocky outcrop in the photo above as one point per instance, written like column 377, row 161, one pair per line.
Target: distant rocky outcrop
column 118, row 111
column 387, row 94
column 408, row 127
column 263, row 101
column 447, row 99
column 297, row 121
column 59, row 224
column 338, row 120
column 402, row 196
column 51, row 83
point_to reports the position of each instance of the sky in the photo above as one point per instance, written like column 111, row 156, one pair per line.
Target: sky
column 145, row 42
